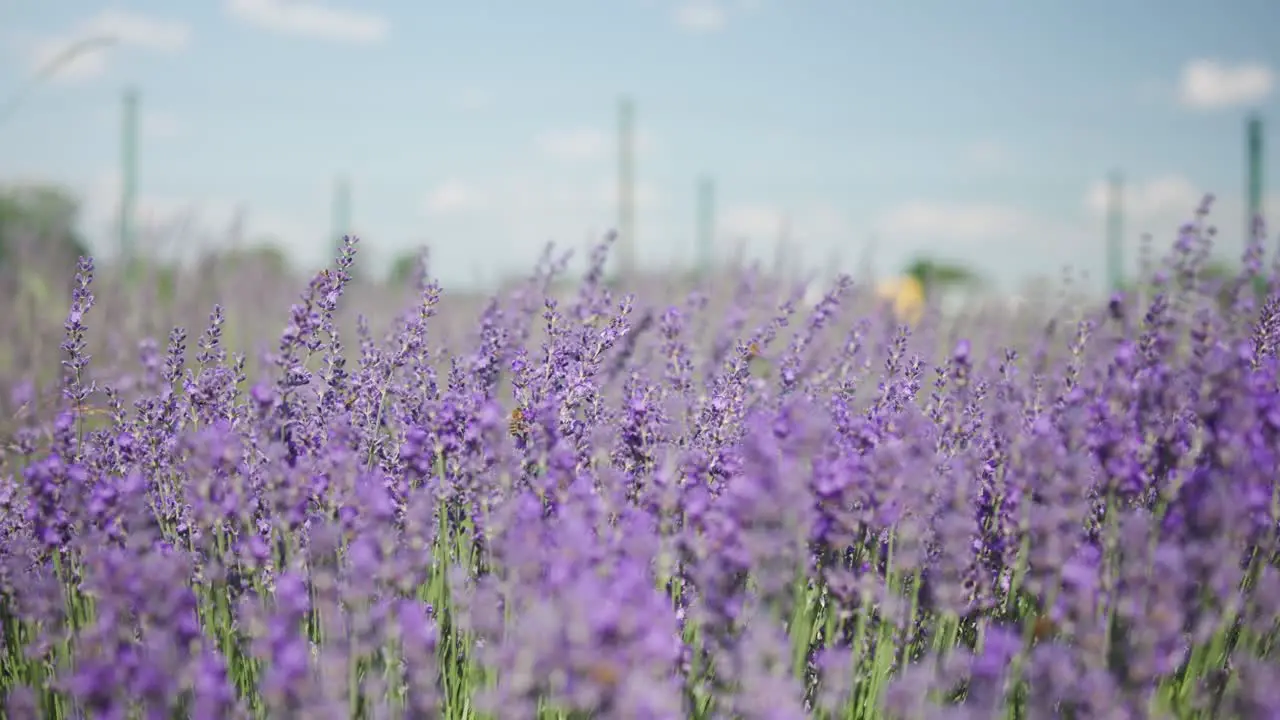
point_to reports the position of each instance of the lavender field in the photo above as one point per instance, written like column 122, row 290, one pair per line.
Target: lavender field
column 718, row 504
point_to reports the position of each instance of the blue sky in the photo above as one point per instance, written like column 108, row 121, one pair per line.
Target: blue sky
column 976, row 130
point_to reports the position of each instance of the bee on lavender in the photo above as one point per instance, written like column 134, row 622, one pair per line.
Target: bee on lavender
column 518, row 424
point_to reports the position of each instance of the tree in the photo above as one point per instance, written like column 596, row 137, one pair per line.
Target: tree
column 265, row 253
column 39, row 221
column 940, row 275
column 1216, row 276
column 403, row 268
column 1223, row 278
column 408, row 267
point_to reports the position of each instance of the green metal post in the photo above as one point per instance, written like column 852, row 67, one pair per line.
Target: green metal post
column 1254, row 153
column 626, row 187
column 1115, row 232
column 706, row 225
column 128, row 175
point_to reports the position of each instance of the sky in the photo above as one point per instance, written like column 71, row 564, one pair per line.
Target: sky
column 844, row 132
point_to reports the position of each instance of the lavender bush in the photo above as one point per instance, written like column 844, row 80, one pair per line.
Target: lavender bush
column 622, row 508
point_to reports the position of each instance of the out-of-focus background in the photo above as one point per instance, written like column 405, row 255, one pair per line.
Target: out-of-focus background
column 993, row 143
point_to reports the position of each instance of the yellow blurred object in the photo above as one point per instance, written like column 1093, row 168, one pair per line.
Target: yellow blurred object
column 905, row 295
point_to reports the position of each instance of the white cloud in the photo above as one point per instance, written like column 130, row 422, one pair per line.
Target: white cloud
column 181, row 226
column 305, row 18
column 141, row 31
column 90, row 63
column 525, row 210
column 1156, row 198
column 94, row 38
column 1160, row 205
column 1001, row 241
column 751, row 221
column 765, row 231
column 762, row 220
column 1211, row 84
column 952, row 221
column 700, row 16
column 453, row 196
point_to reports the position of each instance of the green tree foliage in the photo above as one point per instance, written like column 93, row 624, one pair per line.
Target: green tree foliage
column 404, row 268
column 39, row 219
column 1216, row 275
column 936, row 275
column 264, row 253
column 410, row 267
